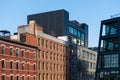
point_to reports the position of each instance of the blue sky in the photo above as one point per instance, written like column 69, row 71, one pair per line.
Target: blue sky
column 14, row 12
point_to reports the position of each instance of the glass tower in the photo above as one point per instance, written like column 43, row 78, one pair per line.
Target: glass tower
column 108, row 61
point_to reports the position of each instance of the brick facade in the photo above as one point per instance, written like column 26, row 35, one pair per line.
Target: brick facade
column 17, row 61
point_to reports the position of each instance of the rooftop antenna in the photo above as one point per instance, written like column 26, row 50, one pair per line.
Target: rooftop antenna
column 115, row 15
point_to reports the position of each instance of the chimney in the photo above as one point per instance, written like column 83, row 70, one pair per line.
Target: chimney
column 32, row 27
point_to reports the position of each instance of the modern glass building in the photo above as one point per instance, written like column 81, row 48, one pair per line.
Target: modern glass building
column 108, row 61
column 57, row 23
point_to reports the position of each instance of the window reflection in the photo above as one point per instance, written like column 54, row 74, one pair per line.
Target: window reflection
column 109, row 29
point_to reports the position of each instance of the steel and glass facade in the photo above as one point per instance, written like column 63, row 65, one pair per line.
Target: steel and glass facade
column 57, row 23
column 108, row 67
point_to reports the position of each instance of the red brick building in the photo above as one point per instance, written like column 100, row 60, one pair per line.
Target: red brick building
column 17, row 60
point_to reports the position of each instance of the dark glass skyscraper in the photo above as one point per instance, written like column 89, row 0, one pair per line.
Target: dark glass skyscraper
column 57, row 23
column 108, row 67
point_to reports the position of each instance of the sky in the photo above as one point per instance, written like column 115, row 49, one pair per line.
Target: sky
column 13, row 13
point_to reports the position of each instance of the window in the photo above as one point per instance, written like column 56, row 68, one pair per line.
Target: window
column 23, row 66
column 46, row 76
column 11, row 51
column 23, row 53
column 3, row 49
column 43, row 65
column 22, row 77
column 51, row 67
column 75, row 32
column 50, row 45
column 46, row 43
column 17, row 78
column 3, row 77
column 39, row 65
column 34, row 55
column 34, row 67
column 82, row 36
column 38, row 41
column 39, row 76
column 34, row 78
column 11, row 77
column 3, row 63
column 17, row 51
column 46, row 66
column 17, row 65
column 11, row 65
column 42, row 42
column 71, row 30
column 79, row 34
column 110, row 61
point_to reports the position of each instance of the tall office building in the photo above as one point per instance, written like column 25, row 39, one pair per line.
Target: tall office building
column 57, row 23
column 108, row 67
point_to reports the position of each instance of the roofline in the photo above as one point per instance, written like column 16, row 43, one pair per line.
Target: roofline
column 19, row 43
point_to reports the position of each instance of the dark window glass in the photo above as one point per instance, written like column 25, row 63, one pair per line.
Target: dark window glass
column 23, row 66
column 3, row 77
column 3, row 49
column 17, row 78
column 11, row 77
column 38, row 41
column 17, row 65
column 22, row 77
column 42, row 42
column 17, row 51
column 34, row 78
column 23, row 54
column 11, row 65
column 34, row 67
column 11, row 51
column 3, row 64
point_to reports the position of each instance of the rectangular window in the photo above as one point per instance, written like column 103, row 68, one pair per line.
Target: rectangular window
column 23, row 66
column 11, row 77
column 23, row 53
column 22, row 77
column 42, row 42
column 34, row 78
column 79, row 34
column 3, row 63
column 11, row 65
column 17, row 78
column 110, row 61
column 34, row 67
column 82, row 36
column 70, row 30
column 3, row 49
column 11, row 51
column 39, row 65
column 38, row 41
column 17, row 52
column 50, row 45
column 17, row 65
column 75, row 32
column 3, row 77
column 34, row 55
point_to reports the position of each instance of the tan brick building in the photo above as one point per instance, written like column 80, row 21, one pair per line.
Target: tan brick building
column 51, row 58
